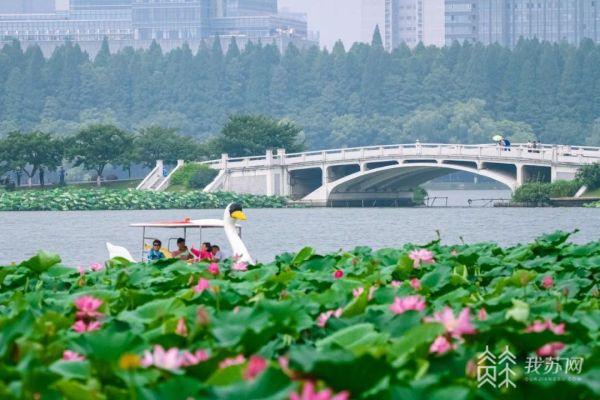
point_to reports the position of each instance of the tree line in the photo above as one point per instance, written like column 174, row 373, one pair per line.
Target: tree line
column 26, row 155
column 341, row 97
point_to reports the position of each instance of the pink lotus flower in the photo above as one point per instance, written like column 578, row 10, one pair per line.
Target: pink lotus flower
column 96, row 267
column 421, row 256
column 482, row 314
column 396, row 284
column 338, row 273
column 540, row 326
column 309, row 393
column 284, row 364
column 213, row 269
column 358, row 291
column 440, row 346
column 167, row 360
column 81, row 270
column 228, row 362
column 181, row 329
column 550, row 349
column 202, row 316
column 69, row 355
column 203, row 284
column 403, row 304
column 87, row 307
column 454, row 252
column 256, row 365
column 240, row 266
column 547, row 282
column 415, row 284
column 324, row 317
column 81, row 326
column 189, row 359
column 454, row 326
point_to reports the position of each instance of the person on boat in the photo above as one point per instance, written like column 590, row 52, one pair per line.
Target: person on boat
column 182, row 252
column 155, row 253
column 205, row 251
column 217, row 254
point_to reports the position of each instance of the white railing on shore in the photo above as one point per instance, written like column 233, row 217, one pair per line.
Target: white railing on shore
column 520, row 152
column 151, row 178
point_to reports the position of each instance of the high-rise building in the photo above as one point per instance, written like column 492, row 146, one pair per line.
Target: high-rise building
column 414, row 21
column 26, row 6
column 98, row 5
column 171, row 19
column 461, row 20
column 245, row 8
column 505, row 21
column 138, row 22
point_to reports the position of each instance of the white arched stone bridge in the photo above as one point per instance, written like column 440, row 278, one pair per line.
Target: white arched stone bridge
column 390, row 173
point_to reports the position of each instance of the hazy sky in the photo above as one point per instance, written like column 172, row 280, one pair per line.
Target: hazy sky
column 334, row 19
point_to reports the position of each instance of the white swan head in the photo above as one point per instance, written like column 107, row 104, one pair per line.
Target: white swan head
column 234, row 212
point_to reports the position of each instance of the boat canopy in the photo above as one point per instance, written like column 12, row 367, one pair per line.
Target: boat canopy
column 196, row 223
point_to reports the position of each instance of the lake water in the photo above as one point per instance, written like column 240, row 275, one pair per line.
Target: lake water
column 80, row 236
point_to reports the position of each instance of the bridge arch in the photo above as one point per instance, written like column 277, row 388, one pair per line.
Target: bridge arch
column 399, row 178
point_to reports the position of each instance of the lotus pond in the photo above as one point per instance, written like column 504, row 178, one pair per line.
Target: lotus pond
column 127, row 199
column 407, row 323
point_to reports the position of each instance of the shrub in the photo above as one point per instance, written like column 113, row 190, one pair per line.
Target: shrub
column 537, row 193
column 189, row 172
column 589, row 175
column 564, row 188
column 202, row 177
column 419, row 195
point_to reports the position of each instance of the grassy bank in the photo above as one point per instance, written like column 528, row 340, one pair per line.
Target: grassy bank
column 72, row 199
column 370, row 324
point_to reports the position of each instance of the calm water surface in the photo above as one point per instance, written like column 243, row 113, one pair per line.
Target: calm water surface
column 80, row 236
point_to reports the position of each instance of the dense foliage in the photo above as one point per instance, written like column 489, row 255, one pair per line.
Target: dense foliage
column 96, row 146
column 252, row 135
column 540, row 193
column 30, row 153
column 366, row 324
column 157, row 143
column 193, row 176
column 130, row 199
column 341, row 97
column 589, row 175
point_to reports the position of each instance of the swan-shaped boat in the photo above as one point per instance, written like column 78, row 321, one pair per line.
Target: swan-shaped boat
column 233, row 213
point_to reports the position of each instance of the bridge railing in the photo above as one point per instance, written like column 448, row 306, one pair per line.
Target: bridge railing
column 516, row 152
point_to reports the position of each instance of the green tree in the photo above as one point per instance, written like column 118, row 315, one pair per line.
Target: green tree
column 158, row 143
column 589, row 175
column 31, row 153
column 97, row 146
column 251, row 135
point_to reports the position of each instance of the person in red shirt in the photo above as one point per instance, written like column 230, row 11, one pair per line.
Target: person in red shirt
column 205, row 251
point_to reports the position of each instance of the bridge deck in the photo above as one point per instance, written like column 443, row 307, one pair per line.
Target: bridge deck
column 543, row 155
